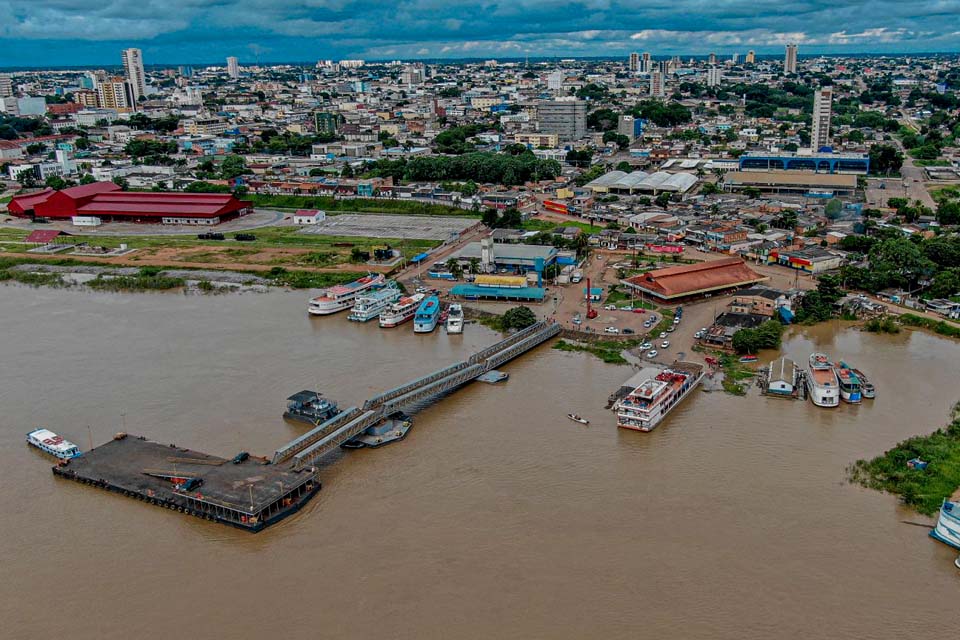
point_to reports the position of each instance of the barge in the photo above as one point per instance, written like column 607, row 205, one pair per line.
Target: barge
column 246, row 492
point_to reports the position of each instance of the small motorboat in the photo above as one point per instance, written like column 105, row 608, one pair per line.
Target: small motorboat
column 957, row 562
column 577, row 418
column 748, row 358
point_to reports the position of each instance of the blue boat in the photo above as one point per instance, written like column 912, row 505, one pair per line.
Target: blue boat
column 428, row 315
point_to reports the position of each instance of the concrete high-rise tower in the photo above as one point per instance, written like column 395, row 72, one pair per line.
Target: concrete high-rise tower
column 233, row 67
column 133, row 70
column 790, row 61
column 634, row 62
column 712, row 59
column 822, row 107
column 6, row 85
column 751, row 57
column 714, row 76
column 645, row 63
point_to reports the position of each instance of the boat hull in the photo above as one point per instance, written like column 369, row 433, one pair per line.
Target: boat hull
column 647, row 428
column 947, row 530
column 329, row 308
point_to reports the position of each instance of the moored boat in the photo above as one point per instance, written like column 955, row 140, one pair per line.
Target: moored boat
column 948, row 524
column 341, row 296
column 371, row 304
column 649, row 403
column 849, row 383
column 455, row 318
column 822, row 381
column 401, row 311
column 428, row 315
column 577, row 418
column 310, row 407
column 49, row 442
column 867, row 390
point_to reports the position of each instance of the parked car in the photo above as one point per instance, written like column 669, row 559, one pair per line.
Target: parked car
column 663, row 334
column 698, row 335
column 611, row 330
column 610, row 307
column 629, row 331
column 676, row 320
column 577, row 320
column 639, row 310
column 671, row 328
column 626, row 307
column 665, row 344
column 652, row 353
column 647, row 324
column 646, row 345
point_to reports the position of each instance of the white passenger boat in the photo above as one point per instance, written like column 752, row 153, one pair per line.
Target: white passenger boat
column 455, row 318
column 948, row 524
column 370, row 305
column 49, row 442
column 401, row 311
column 341, row 296
column 822, row 381
column 648, row 404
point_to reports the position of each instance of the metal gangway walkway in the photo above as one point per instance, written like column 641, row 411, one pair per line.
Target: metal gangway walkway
column 311, row 446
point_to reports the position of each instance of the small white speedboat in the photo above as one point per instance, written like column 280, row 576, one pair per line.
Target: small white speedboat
column 577, row 418
column 957, row 562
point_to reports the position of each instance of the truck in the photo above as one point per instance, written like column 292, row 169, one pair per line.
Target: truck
column 576, row 277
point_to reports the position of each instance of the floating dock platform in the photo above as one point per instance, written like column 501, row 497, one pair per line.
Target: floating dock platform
column 246, row 492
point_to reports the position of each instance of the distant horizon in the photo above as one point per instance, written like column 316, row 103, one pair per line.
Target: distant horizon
column 721, row 56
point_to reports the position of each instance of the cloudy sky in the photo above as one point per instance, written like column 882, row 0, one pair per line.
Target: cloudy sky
column 83, row 32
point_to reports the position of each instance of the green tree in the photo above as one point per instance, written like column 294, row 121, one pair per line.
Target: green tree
column 55, row 182
column 232, row 166
column 518, row 318
column 27, row 179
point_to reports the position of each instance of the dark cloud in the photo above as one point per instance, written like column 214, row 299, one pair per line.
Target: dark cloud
column 61, row 31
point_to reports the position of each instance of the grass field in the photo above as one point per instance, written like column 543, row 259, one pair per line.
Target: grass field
column 306, row 250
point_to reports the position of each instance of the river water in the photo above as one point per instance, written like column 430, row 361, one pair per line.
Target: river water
column 496, row 517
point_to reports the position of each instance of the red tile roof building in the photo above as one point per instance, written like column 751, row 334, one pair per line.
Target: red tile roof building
column 675, row 283
column 107, row 201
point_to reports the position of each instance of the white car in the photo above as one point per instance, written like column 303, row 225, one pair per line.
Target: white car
column 676, row 320
column 698, row 335
column 670, row 329
column 610, row 307
column 611, row 330
column 703, row 330
column 646, row 345
column 652, row 353
column 663, row 334
column 647, row 324
column 665, row 344
column 626, row 308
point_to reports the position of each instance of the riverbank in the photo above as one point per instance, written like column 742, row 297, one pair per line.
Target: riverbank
column 921, row 489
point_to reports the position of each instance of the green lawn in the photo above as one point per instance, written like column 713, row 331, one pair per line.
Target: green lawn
column 267, row 237
column 549, row 225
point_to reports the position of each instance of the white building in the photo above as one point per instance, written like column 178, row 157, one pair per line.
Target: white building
column 309, row 216
column 133, row 69
column 233, row 67
column 822, row 106
column 714, row 76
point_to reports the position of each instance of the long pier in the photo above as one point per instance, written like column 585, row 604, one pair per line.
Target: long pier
column 311, row 446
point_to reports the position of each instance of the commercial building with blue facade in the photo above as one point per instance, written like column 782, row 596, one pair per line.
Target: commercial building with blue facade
column 858, row 163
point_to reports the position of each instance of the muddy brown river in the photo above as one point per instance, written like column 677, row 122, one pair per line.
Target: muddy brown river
column 496, row 518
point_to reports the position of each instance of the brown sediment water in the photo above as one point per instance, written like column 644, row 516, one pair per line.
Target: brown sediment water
column 496, row 517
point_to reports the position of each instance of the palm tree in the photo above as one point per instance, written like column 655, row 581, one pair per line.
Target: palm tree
column 474, row 265
column 452, row 265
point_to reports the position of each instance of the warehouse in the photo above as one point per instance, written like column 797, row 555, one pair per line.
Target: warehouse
column 107, row 202
column 677, row 283
column 795, row 182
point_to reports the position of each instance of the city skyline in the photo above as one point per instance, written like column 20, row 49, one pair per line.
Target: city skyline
column 50, row 33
